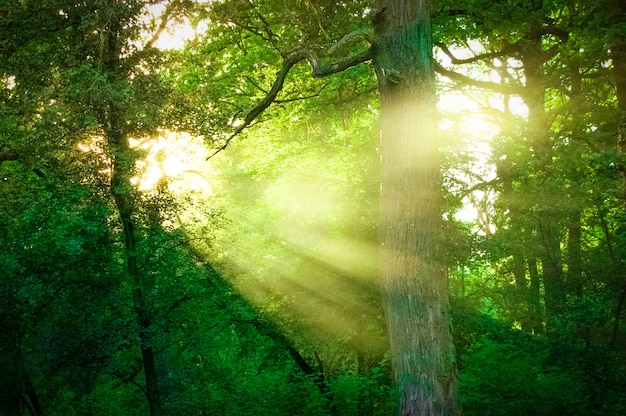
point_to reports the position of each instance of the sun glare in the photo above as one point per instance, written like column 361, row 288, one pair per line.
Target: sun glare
column 175, row 156
column 287, row 253
column 468, row 123
column 176, row 33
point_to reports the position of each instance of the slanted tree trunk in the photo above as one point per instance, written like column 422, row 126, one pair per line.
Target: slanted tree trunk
column 30, row 397
column 413, row 276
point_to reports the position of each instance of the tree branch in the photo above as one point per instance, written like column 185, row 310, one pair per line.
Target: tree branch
column 8, row 154
column 493, row 86
column 489, row 55
column 361, row 33
column 306, row 97
column 318, row 71
column 288, row 63
column 165, row 19
column 324, row 70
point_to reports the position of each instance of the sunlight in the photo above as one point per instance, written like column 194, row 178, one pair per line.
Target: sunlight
column 176, row 33
column 468, row 123
column 287, row 249
column 291, row 248
column 176, row 157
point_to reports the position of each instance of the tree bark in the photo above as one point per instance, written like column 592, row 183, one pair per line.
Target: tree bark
column 412, row 272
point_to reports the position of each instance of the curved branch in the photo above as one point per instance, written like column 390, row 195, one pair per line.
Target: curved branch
column 318, row 70
column 324, row 70
column 364, row 34
column 288, row 63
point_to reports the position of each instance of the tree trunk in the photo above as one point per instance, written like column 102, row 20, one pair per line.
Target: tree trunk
column 618, row 55
column 574, row 214
column 538, row 135
column 124, row 194
column 412, row 273
column 31, row 399
column 521, row 289
column 534, row 298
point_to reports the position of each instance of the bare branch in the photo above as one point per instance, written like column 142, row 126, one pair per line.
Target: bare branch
column 493, row 86
column 481, row 186
column 480, row 57
column 258, row 87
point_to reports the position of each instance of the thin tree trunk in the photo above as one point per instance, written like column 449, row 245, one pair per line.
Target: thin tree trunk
column 124, row 194
column 32, row 401
column 534, row 297
column 521, row 286
column 574, row 229
column 574, row 234
column 413, row 276
column 538, row 135
column 618, row 55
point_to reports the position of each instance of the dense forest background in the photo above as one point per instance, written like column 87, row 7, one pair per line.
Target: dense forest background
column 191, row 227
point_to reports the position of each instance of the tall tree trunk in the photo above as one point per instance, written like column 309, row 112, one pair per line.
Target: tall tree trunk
column 538, row 135
column 517, row 234
column 574, row 215
column 124, row 194
column 412, row 273
column 618, row 56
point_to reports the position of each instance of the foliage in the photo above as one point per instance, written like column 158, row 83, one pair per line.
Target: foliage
column 262, row 292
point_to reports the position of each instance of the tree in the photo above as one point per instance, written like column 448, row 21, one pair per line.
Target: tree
column 412, row 272
column 557, row 185
column 416, row 298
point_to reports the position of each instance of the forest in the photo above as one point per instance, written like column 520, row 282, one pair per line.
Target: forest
column 313, row 207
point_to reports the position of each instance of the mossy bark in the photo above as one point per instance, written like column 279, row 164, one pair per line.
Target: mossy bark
column 410, row 229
